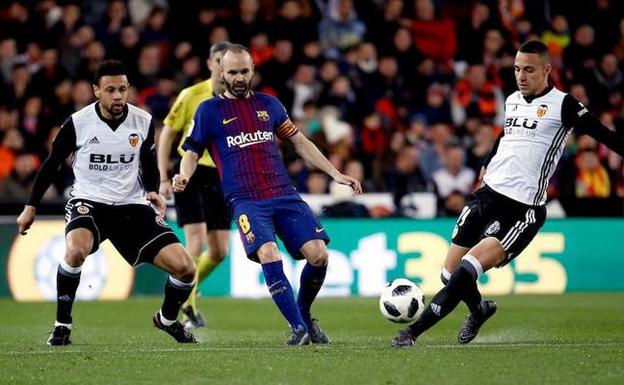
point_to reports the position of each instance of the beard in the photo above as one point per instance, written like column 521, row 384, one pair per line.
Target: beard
column 238, row 88
column 116, row 109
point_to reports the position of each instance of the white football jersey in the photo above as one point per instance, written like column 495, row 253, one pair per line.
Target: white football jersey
column 107, row 162
column 531, row 146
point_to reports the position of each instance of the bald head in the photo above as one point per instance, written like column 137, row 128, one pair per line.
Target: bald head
column 237, row 71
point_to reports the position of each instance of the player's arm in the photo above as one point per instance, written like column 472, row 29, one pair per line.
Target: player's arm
column 194, row 144
column 489, row 157
column 165, row 141
column 174, row 122
column 62, row 146
column 149, row 171
column 310, row 153
column 574, row 114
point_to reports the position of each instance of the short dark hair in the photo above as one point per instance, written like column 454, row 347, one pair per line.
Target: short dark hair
column 109, row 68
column 219, row 47
column 537, row 47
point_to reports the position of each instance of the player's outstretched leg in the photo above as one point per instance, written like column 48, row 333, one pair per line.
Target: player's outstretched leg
column 176, row 292
column 283, row 296
column 67, row 280
column 461, row 286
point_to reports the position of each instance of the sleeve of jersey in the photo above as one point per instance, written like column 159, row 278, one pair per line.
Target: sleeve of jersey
column 286, row 128
column 487, row 160
column 62, row 146
column 574, row 114
column 197, row 138
column 176, row 116
column 149, row 166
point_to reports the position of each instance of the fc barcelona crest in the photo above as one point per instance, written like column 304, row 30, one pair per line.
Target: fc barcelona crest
column 542, row 110
column 262, row 115
column 133, row 139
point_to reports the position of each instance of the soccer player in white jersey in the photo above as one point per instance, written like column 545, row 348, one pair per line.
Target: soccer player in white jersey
column 504, row 215
column 115, row 197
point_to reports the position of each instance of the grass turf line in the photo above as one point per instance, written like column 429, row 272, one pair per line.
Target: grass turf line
column 566, row 339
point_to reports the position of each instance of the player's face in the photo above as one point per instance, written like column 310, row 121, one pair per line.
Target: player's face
column 531, row 73
column 237, row 73
column 112, row 93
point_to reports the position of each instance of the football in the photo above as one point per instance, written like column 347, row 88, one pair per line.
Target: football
column 402, row 301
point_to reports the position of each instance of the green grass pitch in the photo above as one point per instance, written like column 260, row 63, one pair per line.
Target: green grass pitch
column 569, row 339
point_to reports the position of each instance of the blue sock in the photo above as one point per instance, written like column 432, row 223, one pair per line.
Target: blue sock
column 312, row 278
column 282, row 293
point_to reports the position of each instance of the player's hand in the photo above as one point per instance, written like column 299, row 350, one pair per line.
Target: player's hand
column 26, row 219
column 355, row 184
column 158, row 202
column 166, row 190
column 179, row 182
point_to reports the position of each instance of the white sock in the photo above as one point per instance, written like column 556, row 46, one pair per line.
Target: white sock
column 69, row 269
column 475, row 263
column 165, row 321
column 56, row 323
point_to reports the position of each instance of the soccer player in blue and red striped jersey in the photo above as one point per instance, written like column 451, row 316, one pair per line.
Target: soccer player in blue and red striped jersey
column 239, row 129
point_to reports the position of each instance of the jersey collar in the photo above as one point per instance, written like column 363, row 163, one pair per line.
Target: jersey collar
column 112, row 123
column 529, row 99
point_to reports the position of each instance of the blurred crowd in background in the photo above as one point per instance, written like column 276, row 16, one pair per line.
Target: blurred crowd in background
column 407, row 95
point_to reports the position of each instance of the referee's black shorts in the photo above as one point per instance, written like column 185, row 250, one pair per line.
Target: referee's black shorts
column 203, row 201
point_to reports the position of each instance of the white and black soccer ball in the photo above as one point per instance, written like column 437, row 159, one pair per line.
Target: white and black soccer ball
column 402, row 301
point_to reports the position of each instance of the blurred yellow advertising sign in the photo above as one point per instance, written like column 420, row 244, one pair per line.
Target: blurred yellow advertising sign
column 34, row 259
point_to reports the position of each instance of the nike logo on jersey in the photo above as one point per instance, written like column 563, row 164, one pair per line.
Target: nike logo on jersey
column 226, row 121
column 319, row 229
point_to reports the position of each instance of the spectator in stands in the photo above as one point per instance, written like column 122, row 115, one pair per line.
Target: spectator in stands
column 71, row 51
column 247, row 22
column 317, row 182
column 482, row 143
column 302, row 88
column 557, row 36
column 340, row 27
column 282, row 66
column 129, row 45
column 475, row 92
column 108, row 29
column 588, row 177
column 295, row 24
column 437, row 108
column 580, row 56
column 431, row 159
column 455, row 175
column 404, row 177
column 605, row 80
column 148, row 67
column 8, row 56
column 433, row 36
column 471, row 33
column 17, row 186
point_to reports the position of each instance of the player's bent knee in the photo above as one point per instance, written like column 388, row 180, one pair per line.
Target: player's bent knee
column 316, row 253
column 268, row 253
column 75, row 256
column 185, row 270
